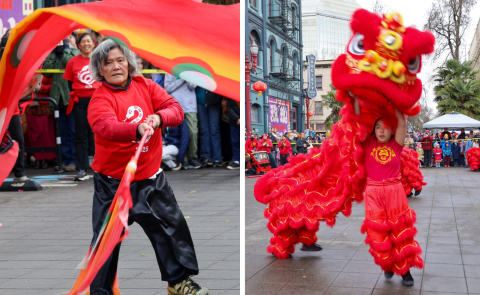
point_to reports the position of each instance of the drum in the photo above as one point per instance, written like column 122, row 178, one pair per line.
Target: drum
column 262, row 158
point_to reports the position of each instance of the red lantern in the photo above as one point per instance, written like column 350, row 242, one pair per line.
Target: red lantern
column 259, row 86
column 310, row 114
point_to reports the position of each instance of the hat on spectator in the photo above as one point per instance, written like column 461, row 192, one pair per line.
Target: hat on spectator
column 426, row 131
column 264, row 135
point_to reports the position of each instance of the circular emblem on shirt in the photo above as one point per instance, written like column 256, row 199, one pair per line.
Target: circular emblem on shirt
column 85, row 77
column 383, row 154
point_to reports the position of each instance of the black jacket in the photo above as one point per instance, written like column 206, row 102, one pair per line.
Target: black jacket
column 233, row 112
column 300, row 148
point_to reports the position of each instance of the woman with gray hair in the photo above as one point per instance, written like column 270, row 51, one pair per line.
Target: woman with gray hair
column 119, row 113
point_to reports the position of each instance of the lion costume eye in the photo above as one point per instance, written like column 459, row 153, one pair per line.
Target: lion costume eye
column 414, row 65
column 356, row 45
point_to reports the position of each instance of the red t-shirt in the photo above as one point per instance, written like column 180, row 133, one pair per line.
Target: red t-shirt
column 143, row 98
column 382, row 160
column 77, row 71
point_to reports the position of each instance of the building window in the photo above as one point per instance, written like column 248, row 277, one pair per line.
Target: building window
column 253, row 3
column 254, row 113
column 269, row 8
column 294, row 118
column 318, row 108
column 272, row 52
column 320, row 127
column 318, row 82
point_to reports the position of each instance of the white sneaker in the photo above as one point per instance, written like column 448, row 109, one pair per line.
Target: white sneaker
column 178, row 167
column 23, row 178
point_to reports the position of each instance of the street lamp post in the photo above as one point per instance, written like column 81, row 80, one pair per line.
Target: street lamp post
column 249, row 65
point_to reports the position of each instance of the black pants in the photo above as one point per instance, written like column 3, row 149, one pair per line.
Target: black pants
column 84, row 141
column 284, row 159
column 428, row 158
column 273, row 161
column 16, row 132
column 156, row 211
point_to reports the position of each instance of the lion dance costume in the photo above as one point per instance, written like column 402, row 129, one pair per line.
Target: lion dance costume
column 379, row 68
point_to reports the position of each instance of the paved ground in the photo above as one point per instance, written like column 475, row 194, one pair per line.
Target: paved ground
column 46, row 234
column 448, row 226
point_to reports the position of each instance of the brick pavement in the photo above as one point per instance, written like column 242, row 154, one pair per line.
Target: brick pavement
column 448, row 226
column 46, row 234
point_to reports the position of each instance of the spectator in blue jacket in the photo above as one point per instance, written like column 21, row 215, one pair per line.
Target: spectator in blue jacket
column 466, row 145
column 176, row 141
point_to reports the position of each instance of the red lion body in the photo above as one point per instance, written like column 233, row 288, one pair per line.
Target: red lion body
column 316, row 187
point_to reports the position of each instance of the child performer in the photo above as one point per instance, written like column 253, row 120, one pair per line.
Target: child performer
column 437, row 151
column 420, row 153
column 389, row 221
column 447, row 153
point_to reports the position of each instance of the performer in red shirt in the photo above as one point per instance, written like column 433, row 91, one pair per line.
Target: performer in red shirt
column 82, row 86
column 119, row 113
column 389, row 221
column 251, row 143
column 284, row 146
column 264, row 145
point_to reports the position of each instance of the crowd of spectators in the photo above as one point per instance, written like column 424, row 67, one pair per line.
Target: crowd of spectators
column 209, row 135
column 442, row 148
column 281, row 145
column 434, row 149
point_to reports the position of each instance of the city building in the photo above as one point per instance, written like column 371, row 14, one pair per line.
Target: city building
column 474, row 52
column 326, row 33
column 276, row 27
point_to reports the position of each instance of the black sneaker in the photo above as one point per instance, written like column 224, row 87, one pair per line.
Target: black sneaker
column 205, row 163
column 407, row 279
column 187, row 287
column 389, row 275
column 193, row 164
column 314, row 247
column 81, row 175
column 234, row 166
column 217, row 164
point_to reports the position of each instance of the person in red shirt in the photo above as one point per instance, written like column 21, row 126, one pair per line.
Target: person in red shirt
column 264, row 145
column 119, row 113
column 251, row 143
column 285, row 147
column 389, row 221
column 82, row 86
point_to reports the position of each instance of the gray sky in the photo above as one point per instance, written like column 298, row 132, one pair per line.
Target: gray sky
column 414, row 13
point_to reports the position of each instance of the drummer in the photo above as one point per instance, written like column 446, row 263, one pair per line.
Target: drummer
column 265, row 145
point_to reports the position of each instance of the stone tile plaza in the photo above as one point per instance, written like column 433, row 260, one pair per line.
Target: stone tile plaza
column 448, row 232
column 44, row 236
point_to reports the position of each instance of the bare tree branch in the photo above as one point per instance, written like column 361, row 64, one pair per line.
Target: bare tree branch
column 448, row 20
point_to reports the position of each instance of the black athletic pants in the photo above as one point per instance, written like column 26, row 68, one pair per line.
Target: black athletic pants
column 284, row 159
column 156, row 211
column 16, row 132
column 84, row 140
column 273, row 161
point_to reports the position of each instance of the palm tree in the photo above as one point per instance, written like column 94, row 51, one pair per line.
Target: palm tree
column 458, row 89
column 334, row 105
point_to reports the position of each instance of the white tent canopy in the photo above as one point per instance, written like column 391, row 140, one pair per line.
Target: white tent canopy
column 453, row 120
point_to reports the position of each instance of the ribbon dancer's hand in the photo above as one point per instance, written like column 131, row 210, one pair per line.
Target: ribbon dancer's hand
column 144, row 127
column 156, row 119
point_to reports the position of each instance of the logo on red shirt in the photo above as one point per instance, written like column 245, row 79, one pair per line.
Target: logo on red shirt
column 132, row 110
column 383, row 154
column 86, row 77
